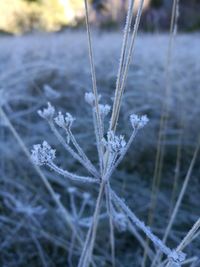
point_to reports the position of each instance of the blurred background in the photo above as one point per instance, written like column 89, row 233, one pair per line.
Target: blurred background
column 21, row 16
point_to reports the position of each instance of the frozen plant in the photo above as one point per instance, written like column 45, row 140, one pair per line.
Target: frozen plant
column 111, row 151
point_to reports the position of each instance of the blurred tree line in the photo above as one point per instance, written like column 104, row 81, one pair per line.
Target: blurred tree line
column 19, row 16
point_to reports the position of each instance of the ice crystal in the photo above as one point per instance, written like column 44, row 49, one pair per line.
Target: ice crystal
column 47, row 113
column 138, row 122
column 42, row 154
column 177, row 257
column 114, row 143
column 64, row 122
column 90, row 98
column 104, row 110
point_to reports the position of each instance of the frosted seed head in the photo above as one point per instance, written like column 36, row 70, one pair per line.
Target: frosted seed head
column 90, row 98
column 42, row 154
column 60, row 120
column 64, row 122
column 47, row 113
column 138, row 122
column 114, row 143
column 104, row 110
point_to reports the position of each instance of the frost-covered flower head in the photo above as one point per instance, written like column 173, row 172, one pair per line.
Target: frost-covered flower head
column 47, row 113
column 138, row 122
column 90, row 98
column 64, row 122
column 104, row 110
column 42, row 154
column 114, row 143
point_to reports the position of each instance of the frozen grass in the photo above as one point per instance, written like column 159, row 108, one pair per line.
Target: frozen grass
column 32, row 228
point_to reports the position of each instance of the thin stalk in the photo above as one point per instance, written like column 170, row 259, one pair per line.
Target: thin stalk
column 123, row 54
column 117, row 101
column 112, row 234
column 71, row 151
column 87, row 250
column 70, row 175
column 82, row 154
column 93, row 73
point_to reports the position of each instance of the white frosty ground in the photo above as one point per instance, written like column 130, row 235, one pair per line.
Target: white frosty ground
column 32, row 65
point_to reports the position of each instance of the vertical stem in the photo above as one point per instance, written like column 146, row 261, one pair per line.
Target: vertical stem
column 94, row 83
column 90, row 239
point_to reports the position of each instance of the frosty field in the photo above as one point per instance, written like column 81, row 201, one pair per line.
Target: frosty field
column 36, row 69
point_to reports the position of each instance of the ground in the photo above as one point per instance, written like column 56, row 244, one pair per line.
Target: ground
column 39, row 68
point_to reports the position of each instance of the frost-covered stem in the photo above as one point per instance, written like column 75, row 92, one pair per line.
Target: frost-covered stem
column 140, row 240
column 82, row 208
column 72, row 242
column 70, row 150
column 89, row 243
column 117, row 103
column 73, row 206
column 83, row 155
column 186, row 240
column 70, row 175
column 157, row 242
column 123, row 53
column 98, row 141
column 189, row 236
column 94, row 83
column 110, row 214
column 178, row 203
column 189, row 260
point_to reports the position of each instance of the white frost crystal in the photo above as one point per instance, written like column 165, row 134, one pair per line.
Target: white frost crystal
column 138, row 122
column 177, row 257
column 47, row 113
column 104, row 110
column 42, row 154
column 115, row 143
column 90, row 98
column 64, row 122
